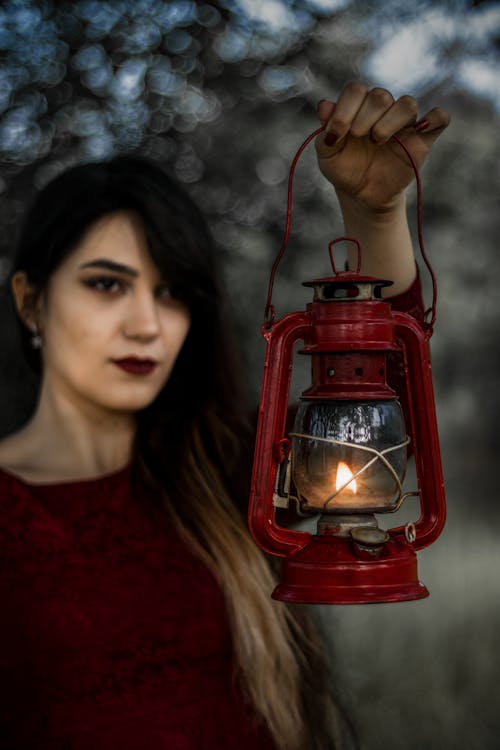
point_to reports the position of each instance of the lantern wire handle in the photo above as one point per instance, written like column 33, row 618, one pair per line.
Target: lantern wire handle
column 431, row 310
column 269, row 312
column 344, row 239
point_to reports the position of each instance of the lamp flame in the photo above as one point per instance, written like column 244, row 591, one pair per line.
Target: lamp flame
column 343, row 475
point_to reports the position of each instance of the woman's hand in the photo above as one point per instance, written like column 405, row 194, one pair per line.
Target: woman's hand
column 356, row 153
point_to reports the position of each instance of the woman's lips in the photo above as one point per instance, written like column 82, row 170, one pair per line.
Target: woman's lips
column 136, row 366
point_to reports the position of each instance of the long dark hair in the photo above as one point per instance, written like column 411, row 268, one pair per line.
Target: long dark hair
column 204, row 379
column 193, row 443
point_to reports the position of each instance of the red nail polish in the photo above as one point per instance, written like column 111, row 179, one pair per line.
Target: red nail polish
column 421, row 125
column 330, row 139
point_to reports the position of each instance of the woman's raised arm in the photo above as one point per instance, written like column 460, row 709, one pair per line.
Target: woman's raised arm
column 370, row 172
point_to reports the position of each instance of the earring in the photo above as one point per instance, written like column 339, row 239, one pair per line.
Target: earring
column 36, row 339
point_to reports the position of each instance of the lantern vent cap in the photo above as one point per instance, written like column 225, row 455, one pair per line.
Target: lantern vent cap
column 347, row 287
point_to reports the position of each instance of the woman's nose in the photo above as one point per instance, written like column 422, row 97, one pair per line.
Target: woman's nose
column 142, row 321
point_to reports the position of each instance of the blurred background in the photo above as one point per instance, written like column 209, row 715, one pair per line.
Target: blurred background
column 222, row 93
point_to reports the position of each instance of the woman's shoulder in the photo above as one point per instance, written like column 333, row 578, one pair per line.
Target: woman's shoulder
column 9, row 453
column 16, row 474
column 28, row 456
column 16, row 458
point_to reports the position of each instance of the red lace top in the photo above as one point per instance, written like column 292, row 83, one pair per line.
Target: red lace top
column 113, row 636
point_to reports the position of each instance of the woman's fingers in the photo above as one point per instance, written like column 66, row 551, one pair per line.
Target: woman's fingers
column 377, row 103
column 431, row 125
column 345, row 110
column 362, row 112
column 325, row 110
column 402, row 114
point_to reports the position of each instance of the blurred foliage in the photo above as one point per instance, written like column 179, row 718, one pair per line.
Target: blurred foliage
column 221, row 92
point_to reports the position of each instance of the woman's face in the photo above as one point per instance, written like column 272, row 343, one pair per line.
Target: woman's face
column 111, row 330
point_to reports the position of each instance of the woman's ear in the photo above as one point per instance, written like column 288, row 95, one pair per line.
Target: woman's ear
column 27, row 300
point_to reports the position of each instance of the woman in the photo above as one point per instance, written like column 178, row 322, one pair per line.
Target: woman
column 136, row 609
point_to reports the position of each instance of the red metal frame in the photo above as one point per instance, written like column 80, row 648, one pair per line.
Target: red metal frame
column 325, row 569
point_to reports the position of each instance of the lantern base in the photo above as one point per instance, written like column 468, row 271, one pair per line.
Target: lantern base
column 328, row 571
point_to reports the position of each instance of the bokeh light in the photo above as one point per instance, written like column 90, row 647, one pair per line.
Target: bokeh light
column 163, row 55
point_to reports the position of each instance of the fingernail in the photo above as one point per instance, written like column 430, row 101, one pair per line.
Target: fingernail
column 421, row 125
column 330, row 139
column 318, row 105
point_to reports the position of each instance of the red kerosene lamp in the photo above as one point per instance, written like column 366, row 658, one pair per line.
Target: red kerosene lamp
column 346, row 455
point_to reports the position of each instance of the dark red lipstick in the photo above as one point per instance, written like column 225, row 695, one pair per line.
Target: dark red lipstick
column 136, row 366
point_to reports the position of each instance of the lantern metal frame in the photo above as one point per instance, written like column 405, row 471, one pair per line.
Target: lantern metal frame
column 326, row 569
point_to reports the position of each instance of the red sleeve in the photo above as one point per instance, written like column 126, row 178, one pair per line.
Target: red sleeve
column 411, row 301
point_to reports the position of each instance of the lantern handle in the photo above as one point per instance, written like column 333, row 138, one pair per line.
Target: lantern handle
column 430, row 313
column 269, row 312
column 346, row 239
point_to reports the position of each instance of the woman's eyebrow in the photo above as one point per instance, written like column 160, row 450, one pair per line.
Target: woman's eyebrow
column 110, row 265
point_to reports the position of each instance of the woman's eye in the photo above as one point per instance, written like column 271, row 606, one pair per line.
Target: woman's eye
column 105, row 284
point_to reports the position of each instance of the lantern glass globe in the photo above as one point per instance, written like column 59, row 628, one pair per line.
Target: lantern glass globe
column 349, row 455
